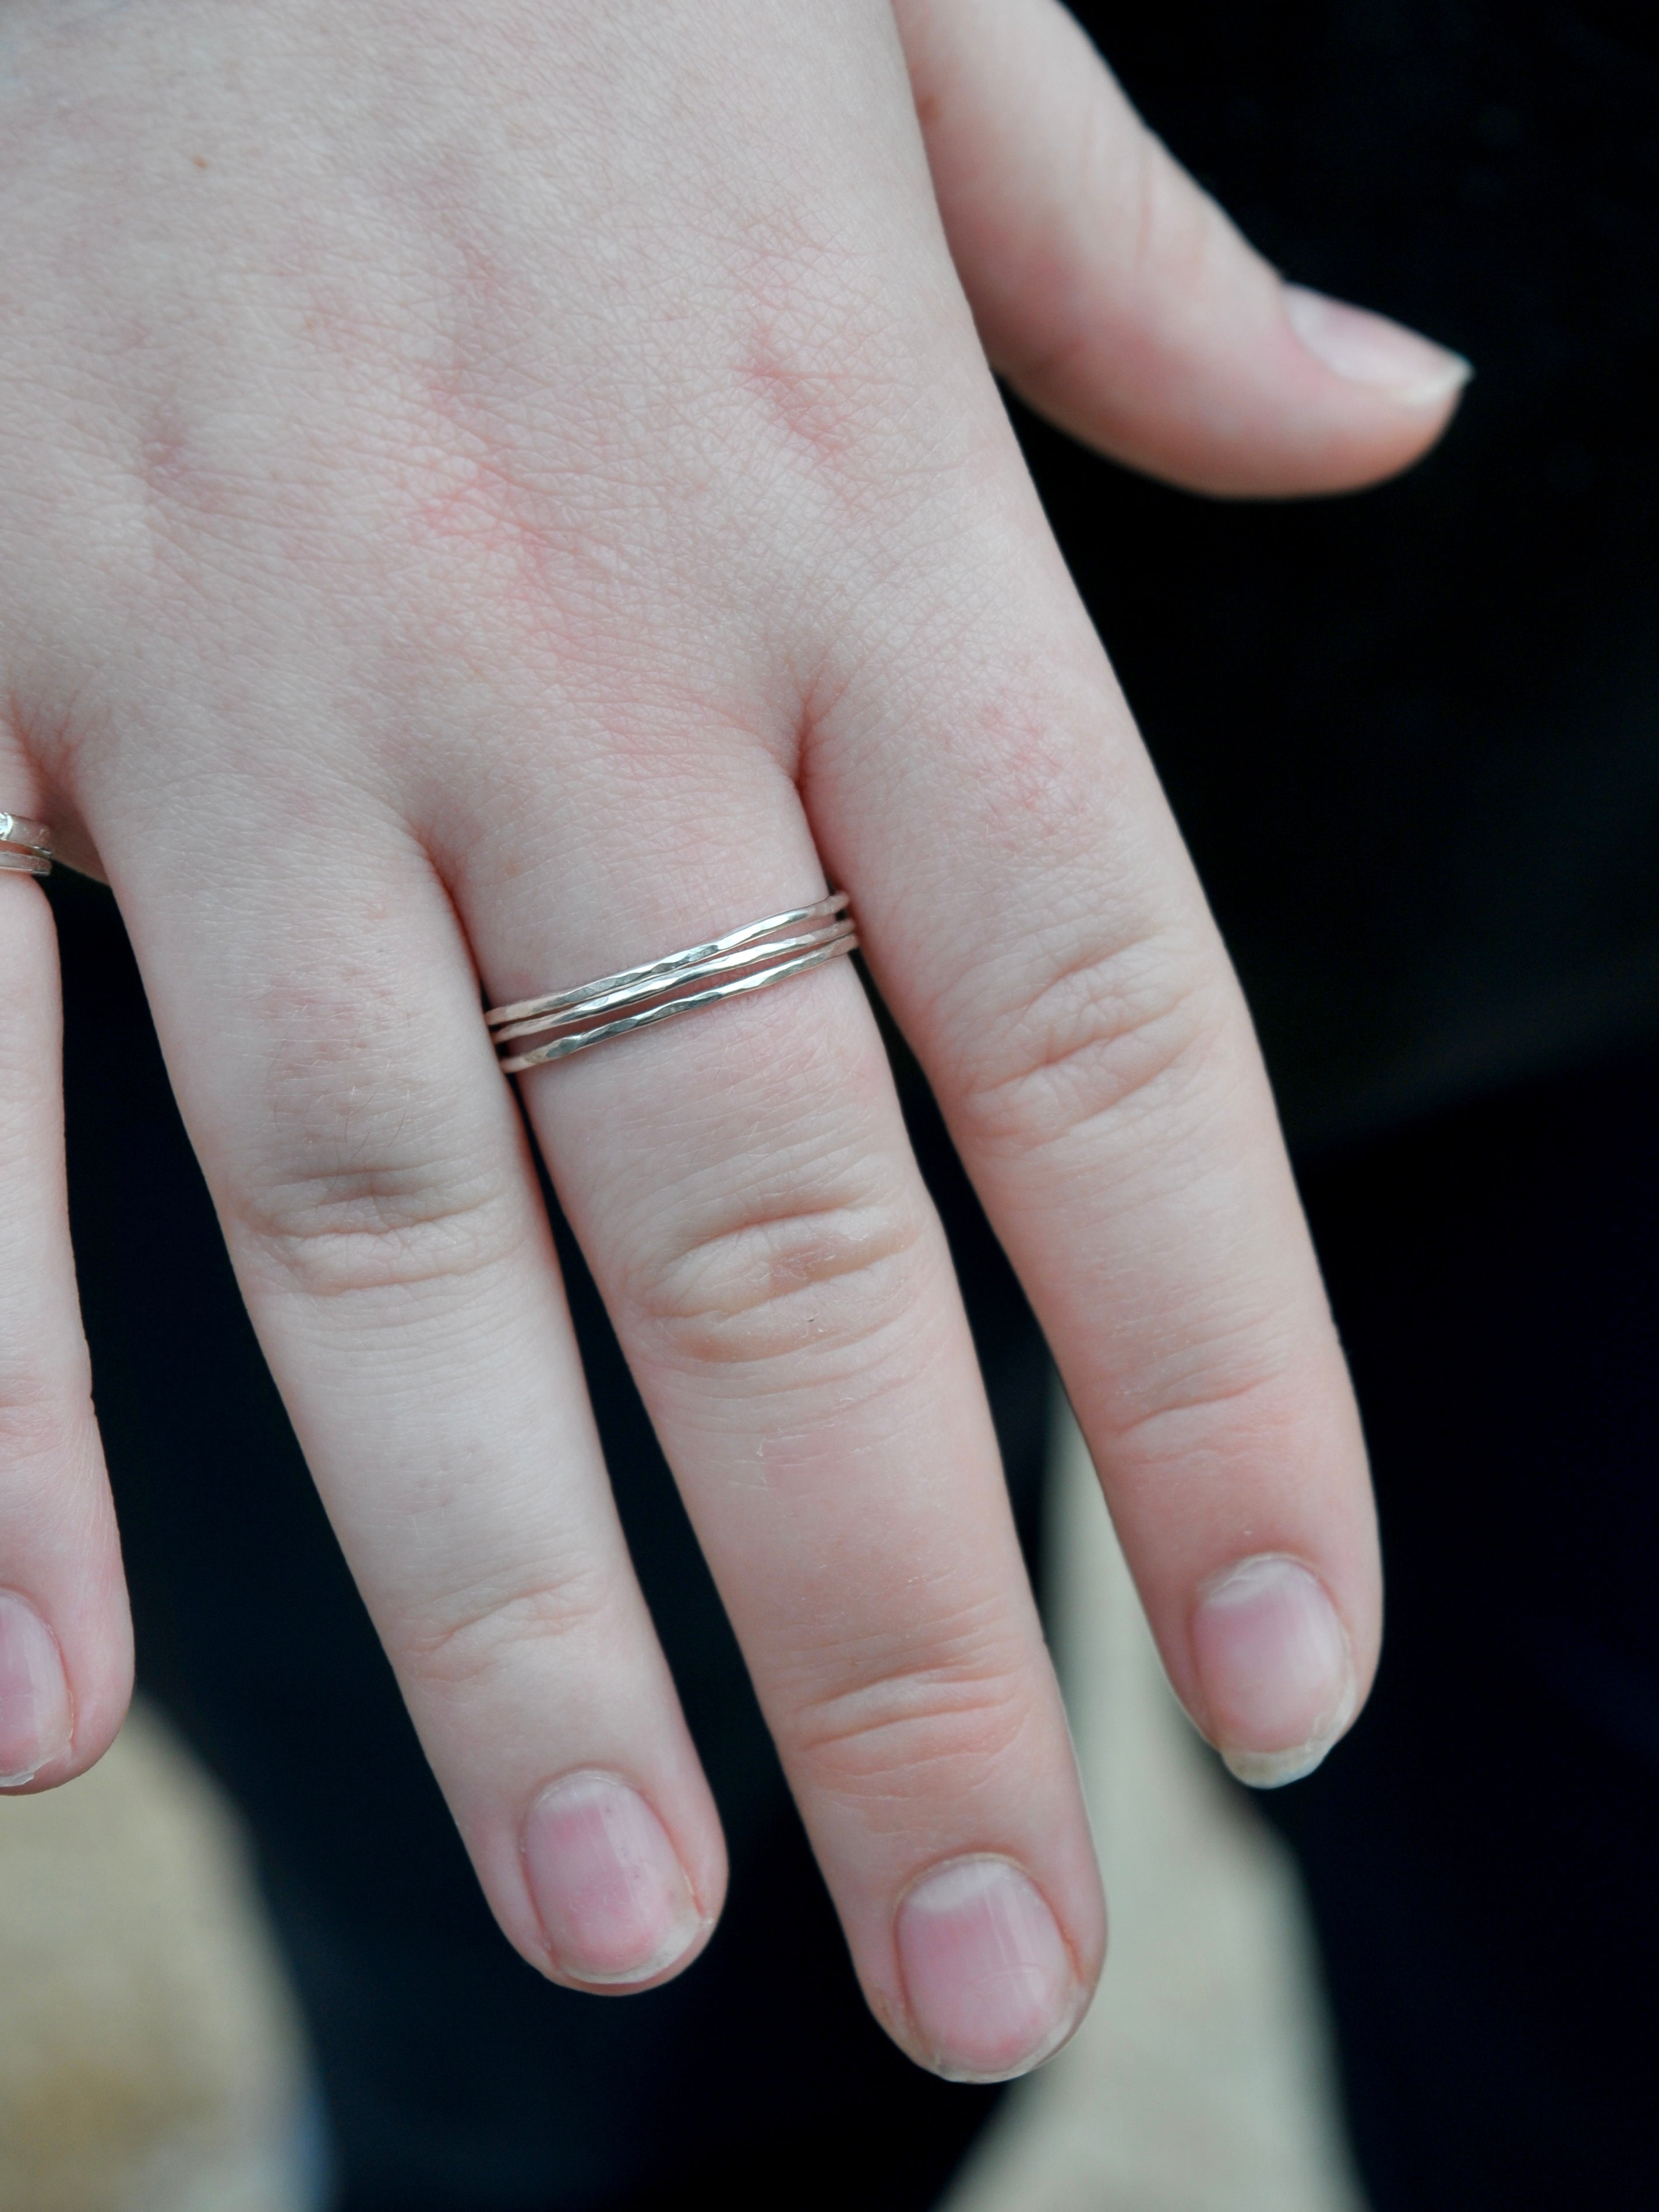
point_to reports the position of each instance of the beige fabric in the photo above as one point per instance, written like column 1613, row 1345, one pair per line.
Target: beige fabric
column 148, row 2054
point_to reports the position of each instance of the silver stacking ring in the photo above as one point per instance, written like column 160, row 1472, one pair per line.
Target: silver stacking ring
column 25, row 846
column 744, row 960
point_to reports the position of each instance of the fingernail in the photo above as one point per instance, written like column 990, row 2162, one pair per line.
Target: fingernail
column 1277, row 1672
column 35, row 1720
column 990, row 1982
column 607, row 1884
column 1368, row 349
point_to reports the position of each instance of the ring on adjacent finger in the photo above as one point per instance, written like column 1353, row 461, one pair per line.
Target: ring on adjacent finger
column 25, row 846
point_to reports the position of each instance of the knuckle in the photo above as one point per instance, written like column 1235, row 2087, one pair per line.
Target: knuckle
column 480, row 1634
column 1101, row 1034
column 364, row 1176
column 819, row 351
column 938, row 1725
column 1229, row 1391
column 337, row 1227
column 803, row 1276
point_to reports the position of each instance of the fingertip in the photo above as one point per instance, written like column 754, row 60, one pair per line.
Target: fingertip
column 1360, row 398
column 1310, row 398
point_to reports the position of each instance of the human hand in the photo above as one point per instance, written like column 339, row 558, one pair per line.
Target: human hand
column 510, row 497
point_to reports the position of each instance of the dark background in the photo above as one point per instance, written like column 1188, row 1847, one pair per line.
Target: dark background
column 1410, row 734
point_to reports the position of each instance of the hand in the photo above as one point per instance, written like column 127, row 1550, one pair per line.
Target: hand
column 504, row 494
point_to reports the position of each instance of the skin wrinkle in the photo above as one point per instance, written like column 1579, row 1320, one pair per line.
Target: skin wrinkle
column 321, row 1245
column 782, row 1282
column 798, row 1455
column 953, row 1627
column 473, row 1636
column 368, row 1224
column 1178, row 1364
column 63, row 1506
column 850, row 1373
column 891, row 1725
column 484, row 1329
column 1231, row 1381
column 1166, row 1340
column 829, row 1366
column 893, row 1744
column 1084, row 1050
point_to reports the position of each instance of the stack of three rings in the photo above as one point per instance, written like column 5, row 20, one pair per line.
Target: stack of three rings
column 25, row 846
column 744, row 960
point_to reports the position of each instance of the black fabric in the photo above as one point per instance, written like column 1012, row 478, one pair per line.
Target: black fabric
column 456, row 2079
column 1411, row 736
column 1481, row 1851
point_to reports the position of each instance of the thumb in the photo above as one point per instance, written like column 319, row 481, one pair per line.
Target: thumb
column 1117, row 298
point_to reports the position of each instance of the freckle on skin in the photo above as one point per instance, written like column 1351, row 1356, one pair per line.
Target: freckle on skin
column 200, row 159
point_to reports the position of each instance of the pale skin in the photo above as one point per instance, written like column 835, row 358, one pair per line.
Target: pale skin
column 491, row 496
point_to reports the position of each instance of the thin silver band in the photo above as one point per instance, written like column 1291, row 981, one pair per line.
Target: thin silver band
column 25, row 846
column 744, row 960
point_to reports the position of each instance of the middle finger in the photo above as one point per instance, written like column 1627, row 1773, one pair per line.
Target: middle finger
column 742, row 1183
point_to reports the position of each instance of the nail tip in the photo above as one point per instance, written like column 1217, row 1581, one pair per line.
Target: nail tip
column 1273, row 1770
column 1432, row 391
column 1356, row 343
column 1050, row 2047
column 49, row 1758
column 670, row 1952
column 1032, row 2062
